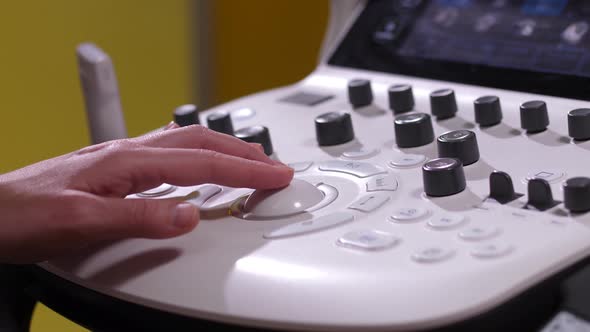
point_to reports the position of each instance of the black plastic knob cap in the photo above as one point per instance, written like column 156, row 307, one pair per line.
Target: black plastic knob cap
column 488, row 111
column 186, row 115
column 460, row 144
column 579, row 123
column 412, row 130
column 533, row 116
column 540, row 196
column 333, row 128
column 443, row 103
column 220, row 121
column 256, row 134
column 360, row 92
column 401, row 98
column 443, row 177
column 502, row 188
column 576, row 194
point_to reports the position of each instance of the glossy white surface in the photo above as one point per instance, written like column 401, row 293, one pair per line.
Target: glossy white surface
column 295, row 198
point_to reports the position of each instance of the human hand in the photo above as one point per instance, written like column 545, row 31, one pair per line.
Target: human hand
column 77, row 199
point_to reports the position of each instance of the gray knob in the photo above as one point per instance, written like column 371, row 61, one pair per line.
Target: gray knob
column 360, row 93
column 401, row 98
column 533, row 116
column 443, row 103
column 220, row 121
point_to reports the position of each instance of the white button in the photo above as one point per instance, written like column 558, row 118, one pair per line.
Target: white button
column 369, row 202
column 242, row 114
column 491, row 250
column 447, row 221
column 407, row 160
column 368, row 240
column 362, row 170
column 160, row 190
column 404, row 215
column 385, row 182
column 360, row 154
column 478, row 232
column 301, row 166
column 204, row 194
column 312, row 225
column 549, row 175
column 432, row 254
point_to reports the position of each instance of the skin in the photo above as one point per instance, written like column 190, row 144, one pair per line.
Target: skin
column 71, row 201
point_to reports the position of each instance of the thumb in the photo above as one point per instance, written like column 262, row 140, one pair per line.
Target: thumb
column 150, row 218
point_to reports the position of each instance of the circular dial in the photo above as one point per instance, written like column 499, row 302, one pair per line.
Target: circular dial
column 576, row 192
column 488, row 111
column 533, row 116
column 333, row 128
column 412, row 130
column 256, row 134
column 295, row 198
column 460, row 144
column 578, row 122
column 186, row 115
column 360, row 92
column 443, row 177
column 443, row 103
column 401, row 98
column 220, row 121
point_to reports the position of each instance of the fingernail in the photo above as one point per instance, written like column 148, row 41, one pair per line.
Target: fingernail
column 184, row 215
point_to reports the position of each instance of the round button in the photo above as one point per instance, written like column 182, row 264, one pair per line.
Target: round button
column 491, row 250
column 401, row 98
column 533, row 116
column 579, row 123
column 295, row 198
column 443, row 103
column 412, row 130
column 370, row 240
column 432, row 254
column 360, row 153
column 408, row 214
column 443, row 177
column 220, row 121
column 407, row 160
column 360, row 92
column 448, row 221
column 478, row 232
column 256, row 134
column 160, row 190
column 186, row 115
column 576, row 192
column 460, row 144
column 488, row 111
column 333, row 128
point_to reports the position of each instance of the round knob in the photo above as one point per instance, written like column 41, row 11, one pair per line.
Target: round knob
column 443, row 103
column 576, row 192
column 220, row 121
column 256, row 134
column 186, row 115
column 412, row 130
column 401, row 98
column 333, row 128
column 360, row 92
column 298, row 196
column 579, row 123
column 488, row 111
column 460, row 144
column 443, row 177
column 533, row 116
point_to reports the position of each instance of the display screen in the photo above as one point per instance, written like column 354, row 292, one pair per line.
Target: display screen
column 538, row 46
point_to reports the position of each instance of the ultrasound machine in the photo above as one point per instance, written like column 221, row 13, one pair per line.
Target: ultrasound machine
column 442, row 183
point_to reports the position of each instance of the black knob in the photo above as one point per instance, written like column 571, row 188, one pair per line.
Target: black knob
column 256, row 134
column 501, row 188
column 576, row 194
column 401, row 98
column 579, row 123
column 186, row 115
column 443, row 177
column 443, row 103
column 488, row 111
column 333, row 128
column 540, row 196
column 360, row 92
column 533, row 116
column 220, row 121
column 412, row 130
column 460, row 144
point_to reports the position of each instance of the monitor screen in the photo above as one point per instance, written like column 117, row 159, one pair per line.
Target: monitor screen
column 540, row 46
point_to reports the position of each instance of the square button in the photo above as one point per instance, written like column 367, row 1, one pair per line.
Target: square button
column 306, row 98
